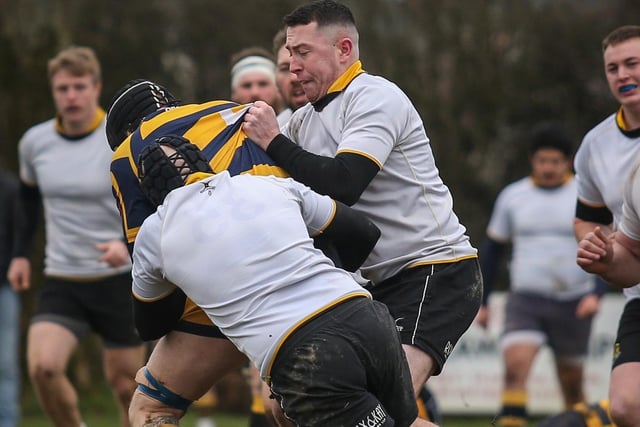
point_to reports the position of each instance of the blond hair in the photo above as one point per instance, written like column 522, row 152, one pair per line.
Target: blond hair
column 78, row 61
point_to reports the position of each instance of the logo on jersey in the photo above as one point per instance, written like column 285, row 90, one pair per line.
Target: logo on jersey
column 207, row 187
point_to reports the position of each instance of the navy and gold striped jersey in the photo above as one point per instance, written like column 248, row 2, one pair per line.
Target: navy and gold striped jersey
column 215, row 127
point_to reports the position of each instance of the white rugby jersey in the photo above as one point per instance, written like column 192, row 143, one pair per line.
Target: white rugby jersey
column 603, row 162
column 630, row 224
column 407, row 199
column 74, row 181
column 239, row 247
column 539, row 224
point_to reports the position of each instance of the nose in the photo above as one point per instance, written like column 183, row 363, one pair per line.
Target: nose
column 294, row 66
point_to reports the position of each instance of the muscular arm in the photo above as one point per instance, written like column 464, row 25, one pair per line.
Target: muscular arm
column 351, row 235
column 343, row 177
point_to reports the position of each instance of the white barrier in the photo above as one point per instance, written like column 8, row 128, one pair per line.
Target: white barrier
column 471, row 382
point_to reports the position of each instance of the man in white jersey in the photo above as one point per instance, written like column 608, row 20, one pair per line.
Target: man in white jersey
column 290, row 88
column 361, row 141
column 65, row 163
column 334, row 359
column 551, row 300
column 603, row 163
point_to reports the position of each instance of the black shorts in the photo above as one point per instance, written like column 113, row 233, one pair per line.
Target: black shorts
column 104, row 306
column 433, row 305
column 627, row 346
column 345, row 367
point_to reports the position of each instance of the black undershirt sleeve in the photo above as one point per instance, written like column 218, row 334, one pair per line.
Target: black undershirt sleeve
column 30, row 205
column 600, row 215
column 155, row 319
column 491, row 254
column 350, row 236
column 343, row 177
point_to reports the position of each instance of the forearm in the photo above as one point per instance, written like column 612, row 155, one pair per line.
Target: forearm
column 624, row 268
column 343, row 177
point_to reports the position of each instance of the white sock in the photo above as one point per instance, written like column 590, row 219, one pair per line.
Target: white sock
column 205, row 422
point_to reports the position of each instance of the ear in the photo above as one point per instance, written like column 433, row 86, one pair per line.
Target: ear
column 345, row 48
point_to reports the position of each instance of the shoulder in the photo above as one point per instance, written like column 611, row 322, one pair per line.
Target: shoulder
column 601, row 132
column 36, row 132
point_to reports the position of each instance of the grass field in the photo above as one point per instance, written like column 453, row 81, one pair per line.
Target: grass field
column 99, row 411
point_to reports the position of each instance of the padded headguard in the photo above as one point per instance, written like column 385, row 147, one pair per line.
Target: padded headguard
column 131, row 104
column 165, row 164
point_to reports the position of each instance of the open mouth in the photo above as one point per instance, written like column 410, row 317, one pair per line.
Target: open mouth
column 627, row 88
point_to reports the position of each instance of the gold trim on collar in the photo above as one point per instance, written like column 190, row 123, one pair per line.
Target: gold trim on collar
column 343, row 81
column 100, row 113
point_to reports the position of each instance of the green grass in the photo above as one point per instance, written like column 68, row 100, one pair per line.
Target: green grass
column 98, row 410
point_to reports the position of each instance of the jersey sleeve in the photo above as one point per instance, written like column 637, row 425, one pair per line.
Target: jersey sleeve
column 588, row 192
column 25, row 158
column 317, row 210
column 499, row 227
column 373, row 121
column 133, row 205
column 149, row 283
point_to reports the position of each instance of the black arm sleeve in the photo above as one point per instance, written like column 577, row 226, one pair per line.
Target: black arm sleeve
column 600, row 215
column 491, row 254
column 30, row 206
column 155, row 319
column 342, row 178
column 351, row 235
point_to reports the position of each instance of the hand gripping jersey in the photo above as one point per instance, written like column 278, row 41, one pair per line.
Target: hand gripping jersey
column 407, row 200
column 215, row 127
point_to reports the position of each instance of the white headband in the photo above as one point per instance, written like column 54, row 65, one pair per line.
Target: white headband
column 253, row 64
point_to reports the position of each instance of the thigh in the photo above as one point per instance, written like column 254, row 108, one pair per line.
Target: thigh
column 49, row 346
column 345, row 368
column 433, row 305
column 190, row 364
column 568, row 335
column 627, row 345
column 60, row 302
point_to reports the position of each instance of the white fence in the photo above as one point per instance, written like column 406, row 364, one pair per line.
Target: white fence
column 472, row 379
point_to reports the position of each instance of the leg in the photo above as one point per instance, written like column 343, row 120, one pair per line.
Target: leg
column 120, row 367
column 624, row 389
column 177, row 362
column 421, row 366
column 518, row 359
column 570, row 377
column 9, row 370
column 49, row 347
column 260, row 405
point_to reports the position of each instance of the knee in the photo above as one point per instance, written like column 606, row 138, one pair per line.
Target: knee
column 122, row 385
column 625, row 411
column 42, row 372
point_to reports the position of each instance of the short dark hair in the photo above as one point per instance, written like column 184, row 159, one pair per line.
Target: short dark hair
column 324, row 12
column 620, row 35
column 550, row 135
